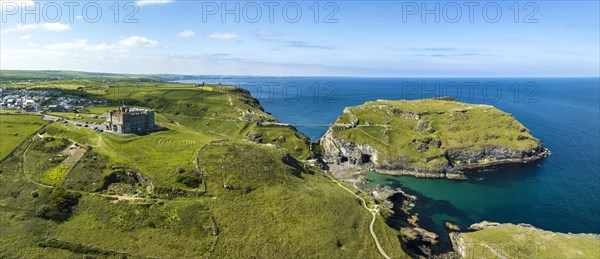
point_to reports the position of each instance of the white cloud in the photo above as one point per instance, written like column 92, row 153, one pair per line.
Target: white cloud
column 25, row 37
column 56, row 26
column 137, row 41
column 186, row 34
column 44, row 26
column 153, row 2
column 222, row 36
column 81, row 45
column 122, row 45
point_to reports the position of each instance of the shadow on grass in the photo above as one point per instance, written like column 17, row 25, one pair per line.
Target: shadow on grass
column 145, row 133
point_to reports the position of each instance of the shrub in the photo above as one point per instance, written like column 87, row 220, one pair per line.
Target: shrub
column 61, row 205
column 51, row 145
column 56, row 174
column 189, row 179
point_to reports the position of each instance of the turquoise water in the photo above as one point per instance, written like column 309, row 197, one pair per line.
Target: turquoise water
column 559, row 193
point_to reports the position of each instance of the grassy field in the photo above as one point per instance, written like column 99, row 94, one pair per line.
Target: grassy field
column 87, row 115
column 8, row 76
column 44, row 75
column 142, row 195
column 177, row 228
column 15, row 128
column 274, row 203
column 513, row 241
column 408, row 130
column 43, row 160
column 271, row 201
column 220, row 111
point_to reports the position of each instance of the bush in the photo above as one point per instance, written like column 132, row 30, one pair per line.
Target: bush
column 168, row 191
column 50, row 144
column 87, row 174
column 189, row 179
column 61, row 205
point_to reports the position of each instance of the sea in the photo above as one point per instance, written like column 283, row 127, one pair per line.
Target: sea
column 559, row 193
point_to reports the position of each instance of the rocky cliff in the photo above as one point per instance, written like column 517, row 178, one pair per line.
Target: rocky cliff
column 428, row 138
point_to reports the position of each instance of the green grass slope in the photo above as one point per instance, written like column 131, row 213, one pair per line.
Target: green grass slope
column 265, row 204
column 14, row 128
column 214, row 183
column 515, row 241
column 270, row 205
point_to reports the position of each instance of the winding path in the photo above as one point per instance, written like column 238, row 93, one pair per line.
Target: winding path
column 373, row 212
column 23, row 168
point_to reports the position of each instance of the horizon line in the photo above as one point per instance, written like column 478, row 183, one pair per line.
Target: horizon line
column 311, row 76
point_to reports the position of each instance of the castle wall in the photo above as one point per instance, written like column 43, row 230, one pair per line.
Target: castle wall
column 125, row 120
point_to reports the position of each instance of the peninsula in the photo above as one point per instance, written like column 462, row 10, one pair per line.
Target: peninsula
column 438, row 137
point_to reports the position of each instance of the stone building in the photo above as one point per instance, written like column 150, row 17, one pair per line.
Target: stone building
column 130, row 120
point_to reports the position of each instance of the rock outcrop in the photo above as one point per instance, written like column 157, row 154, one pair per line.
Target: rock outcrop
column 451, row 226
column 338, row 150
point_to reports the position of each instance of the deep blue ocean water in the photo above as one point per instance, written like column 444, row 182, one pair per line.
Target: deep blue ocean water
column 559, row 193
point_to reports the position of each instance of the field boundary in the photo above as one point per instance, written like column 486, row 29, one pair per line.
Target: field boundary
column 21, row 144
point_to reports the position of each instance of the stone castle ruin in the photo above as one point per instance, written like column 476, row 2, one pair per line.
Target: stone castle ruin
column 130, row 120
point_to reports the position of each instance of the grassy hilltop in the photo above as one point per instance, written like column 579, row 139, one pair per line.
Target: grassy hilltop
column 214, row 183
column 429, row 135
column 523, row 241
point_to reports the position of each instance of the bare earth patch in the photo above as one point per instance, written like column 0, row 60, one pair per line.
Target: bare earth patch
column 74, row 153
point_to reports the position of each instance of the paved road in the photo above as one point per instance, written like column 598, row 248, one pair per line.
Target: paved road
column 82, row 123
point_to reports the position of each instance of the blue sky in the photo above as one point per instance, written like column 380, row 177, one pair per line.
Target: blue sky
column 362, row 38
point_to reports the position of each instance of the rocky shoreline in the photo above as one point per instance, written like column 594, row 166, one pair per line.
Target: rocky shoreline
column 363, row 157
column 396, row 206
column 380, row 137
column 397, row 210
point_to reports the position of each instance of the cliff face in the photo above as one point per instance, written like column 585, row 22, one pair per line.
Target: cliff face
column 437, row 139
column 338, row 150
column 462, row 158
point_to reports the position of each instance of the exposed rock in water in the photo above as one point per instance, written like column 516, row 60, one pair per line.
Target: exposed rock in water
column 417, row 241
column 451, row 226
column 427, row 236
column 483, row 225
column 385, row 192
